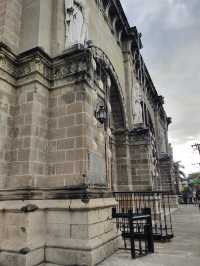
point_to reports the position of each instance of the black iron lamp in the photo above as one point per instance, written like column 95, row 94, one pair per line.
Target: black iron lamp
column 101, row 114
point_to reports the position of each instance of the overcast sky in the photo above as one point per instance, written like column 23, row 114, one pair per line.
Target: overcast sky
column 171, row 39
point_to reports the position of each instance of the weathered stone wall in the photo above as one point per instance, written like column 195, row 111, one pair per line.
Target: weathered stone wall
column 10, row 22
column 29, row 142
column 70, row 134
column 54, row 137
column 7, row 107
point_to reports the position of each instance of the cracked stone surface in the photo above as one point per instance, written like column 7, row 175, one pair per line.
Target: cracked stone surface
column 183, row 250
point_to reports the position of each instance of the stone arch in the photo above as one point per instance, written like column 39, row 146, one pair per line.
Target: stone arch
column 118, row 113
column 115, row 88
column 117, row 142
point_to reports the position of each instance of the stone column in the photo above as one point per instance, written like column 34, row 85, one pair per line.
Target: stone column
column 123, row 180
column 141, row 160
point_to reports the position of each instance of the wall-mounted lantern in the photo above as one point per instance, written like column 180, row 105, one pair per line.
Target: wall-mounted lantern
column 101, row 114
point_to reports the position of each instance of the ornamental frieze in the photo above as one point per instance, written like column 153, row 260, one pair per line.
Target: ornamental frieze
column 67, row 69
column 51, row 70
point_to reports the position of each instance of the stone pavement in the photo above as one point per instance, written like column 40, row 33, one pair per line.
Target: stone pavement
column 183, row 250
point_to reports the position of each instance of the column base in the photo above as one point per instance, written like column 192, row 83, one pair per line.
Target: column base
column 57, row 232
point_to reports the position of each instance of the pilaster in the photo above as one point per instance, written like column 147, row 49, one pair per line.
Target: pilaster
column 123, row 181
column 141, row 160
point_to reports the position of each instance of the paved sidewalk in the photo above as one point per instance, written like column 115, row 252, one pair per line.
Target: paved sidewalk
column 183, row 250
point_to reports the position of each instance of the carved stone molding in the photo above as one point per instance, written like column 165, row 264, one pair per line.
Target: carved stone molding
column 36, row 61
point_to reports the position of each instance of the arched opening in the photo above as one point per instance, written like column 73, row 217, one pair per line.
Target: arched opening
column 118, row 121
column 117, row 150
column 117, row 143
column 148, row 122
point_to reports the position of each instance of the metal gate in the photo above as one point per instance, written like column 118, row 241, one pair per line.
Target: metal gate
column 138, row 229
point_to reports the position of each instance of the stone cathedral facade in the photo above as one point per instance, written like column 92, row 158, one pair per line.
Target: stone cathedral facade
column 79, row 118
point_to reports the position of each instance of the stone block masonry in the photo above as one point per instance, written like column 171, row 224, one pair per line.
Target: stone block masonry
column 46, row 134
column 68, row 136
column 143, row 169
column 28, row 160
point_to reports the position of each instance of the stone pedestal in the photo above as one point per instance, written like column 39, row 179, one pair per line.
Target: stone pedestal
column 58, row 232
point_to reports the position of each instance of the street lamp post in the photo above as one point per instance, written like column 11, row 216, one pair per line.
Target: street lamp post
column 196, row 147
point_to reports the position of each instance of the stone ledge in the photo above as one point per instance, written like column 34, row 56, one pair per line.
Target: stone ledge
column 79, row 191
column 76, row 204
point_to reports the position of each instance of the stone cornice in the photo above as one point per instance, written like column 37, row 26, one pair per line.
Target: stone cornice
column 140, row 136
column 74, row 62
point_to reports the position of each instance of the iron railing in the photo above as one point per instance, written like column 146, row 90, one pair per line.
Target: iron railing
column 160, row 205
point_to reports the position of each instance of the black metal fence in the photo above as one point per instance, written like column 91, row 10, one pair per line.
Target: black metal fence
column 160, row 204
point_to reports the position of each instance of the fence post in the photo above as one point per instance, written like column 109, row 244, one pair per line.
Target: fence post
column 132, row 238
column 149, row 230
